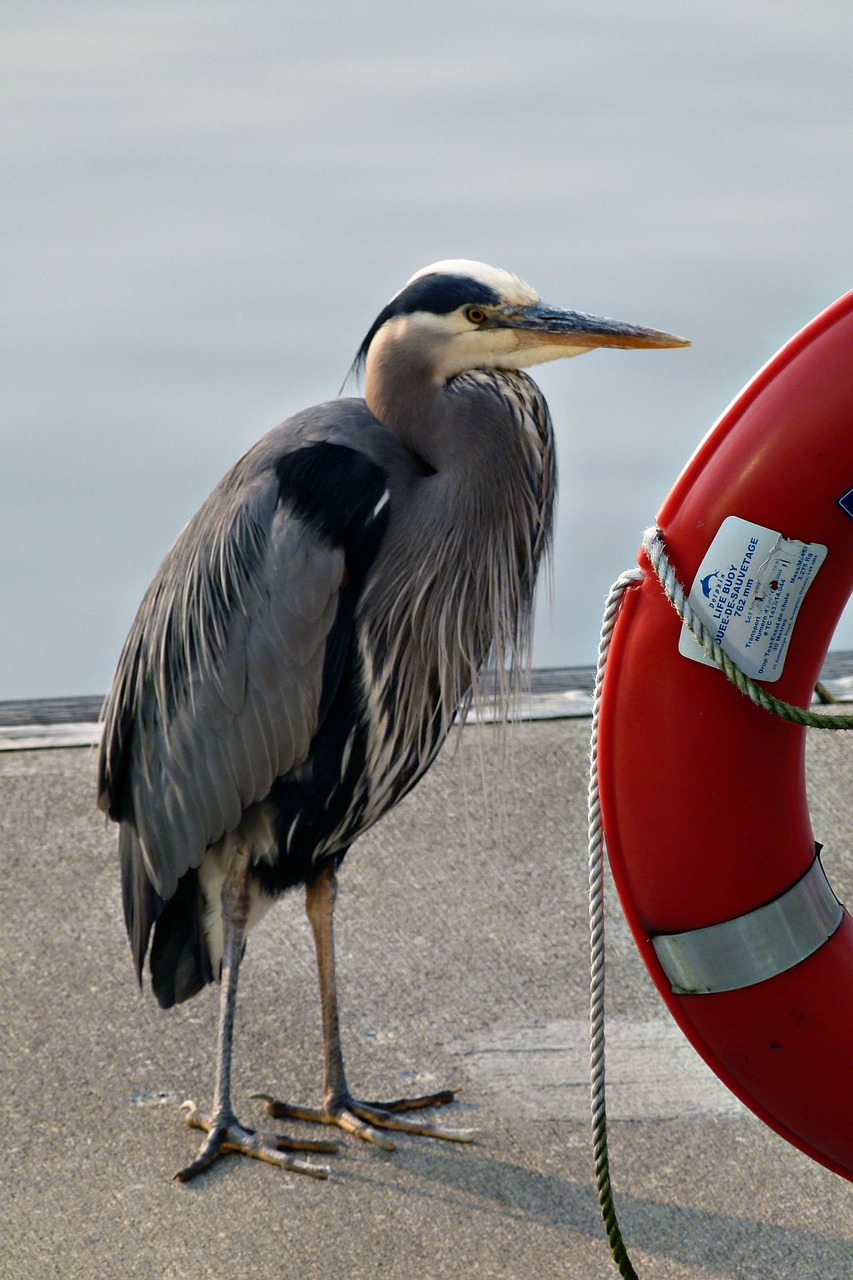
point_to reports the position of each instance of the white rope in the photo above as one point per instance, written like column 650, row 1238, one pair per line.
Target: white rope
column 655, row 549
column 596, row 944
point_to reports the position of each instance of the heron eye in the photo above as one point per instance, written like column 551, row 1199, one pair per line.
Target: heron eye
column 475, row 315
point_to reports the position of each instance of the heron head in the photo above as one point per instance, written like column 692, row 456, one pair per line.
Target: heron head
column 460, row 315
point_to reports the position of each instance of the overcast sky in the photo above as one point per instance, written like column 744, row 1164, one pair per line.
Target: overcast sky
column 205, row 204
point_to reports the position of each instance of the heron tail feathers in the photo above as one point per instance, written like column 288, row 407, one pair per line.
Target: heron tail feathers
column 180, row 963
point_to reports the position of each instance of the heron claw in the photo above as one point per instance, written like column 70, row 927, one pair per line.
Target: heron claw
column 225, row 1134
column 365, row 1119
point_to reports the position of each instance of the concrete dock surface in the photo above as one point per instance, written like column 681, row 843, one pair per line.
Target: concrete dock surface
column 462, row 939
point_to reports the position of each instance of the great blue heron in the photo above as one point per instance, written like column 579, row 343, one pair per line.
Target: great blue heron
column 307, row 642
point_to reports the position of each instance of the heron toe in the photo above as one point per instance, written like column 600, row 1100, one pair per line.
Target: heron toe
column 365, row 1119
column 225, row 1134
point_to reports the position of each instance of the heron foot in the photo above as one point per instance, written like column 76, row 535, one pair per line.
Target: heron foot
column 225, row 1134
column 366, row 1119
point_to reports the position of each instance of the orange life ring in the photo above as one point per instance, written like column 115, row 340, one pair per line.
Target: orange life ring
column 703, row 795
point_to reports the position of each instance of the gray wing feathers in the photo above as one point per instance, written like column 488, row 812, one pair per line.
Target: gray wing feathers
column 217, row 691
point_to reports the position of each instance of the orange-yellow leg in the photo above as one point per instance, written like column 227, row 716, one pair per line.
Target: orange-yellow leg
column 364, row 1119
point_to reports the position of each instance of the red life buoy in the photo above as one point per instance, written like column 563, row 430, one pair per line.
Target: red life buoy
column 703, row 795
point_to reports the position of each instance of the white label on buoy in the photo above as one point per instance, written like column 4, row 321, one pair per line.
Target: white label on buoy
column 748, row 592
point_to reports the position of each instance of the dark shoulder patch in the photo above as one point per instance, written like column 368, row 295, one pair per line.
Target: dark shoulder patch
column 342, row 494
column 439, row 293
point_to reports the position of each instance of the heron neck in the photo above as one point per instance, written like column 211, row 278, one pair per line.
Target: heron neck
column 460, row 556
column 455, row 428
column 404, row 396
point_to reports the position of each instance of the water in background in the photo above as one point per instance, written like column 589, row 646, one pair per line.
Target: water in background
column 205, row 205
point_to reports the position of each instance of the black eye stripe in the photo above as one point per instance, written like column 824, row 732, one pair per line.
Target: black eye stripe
column 442, row 294
column 437, row 293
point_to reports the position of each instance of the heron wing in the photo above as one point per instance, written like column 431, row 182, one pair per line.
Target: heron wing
column 219, row 688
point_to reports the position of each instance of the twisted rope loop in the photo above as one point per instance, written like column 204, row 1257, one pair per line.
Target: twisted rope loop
column 596, row 944
column 655, row 549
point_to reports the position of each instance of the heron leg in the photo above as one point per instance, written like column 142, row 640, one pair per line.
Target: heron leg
column 364, row 1119
column 224, row 1131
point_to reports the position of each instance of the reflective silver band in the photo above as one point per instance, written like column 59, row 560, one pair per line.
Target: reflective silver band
column 756, row 946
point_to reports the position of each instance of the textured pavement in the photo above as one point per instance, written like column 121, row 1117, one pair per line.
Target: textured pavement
column 463, row 954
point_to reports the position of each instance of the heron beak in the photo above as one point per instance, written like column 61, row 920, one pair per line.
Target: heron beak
column 540, row 325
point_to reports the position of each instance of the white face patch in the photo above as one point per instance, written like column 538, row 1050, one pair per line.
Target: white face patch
column 455, row 346
column 526, row 356
column 513, row 291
